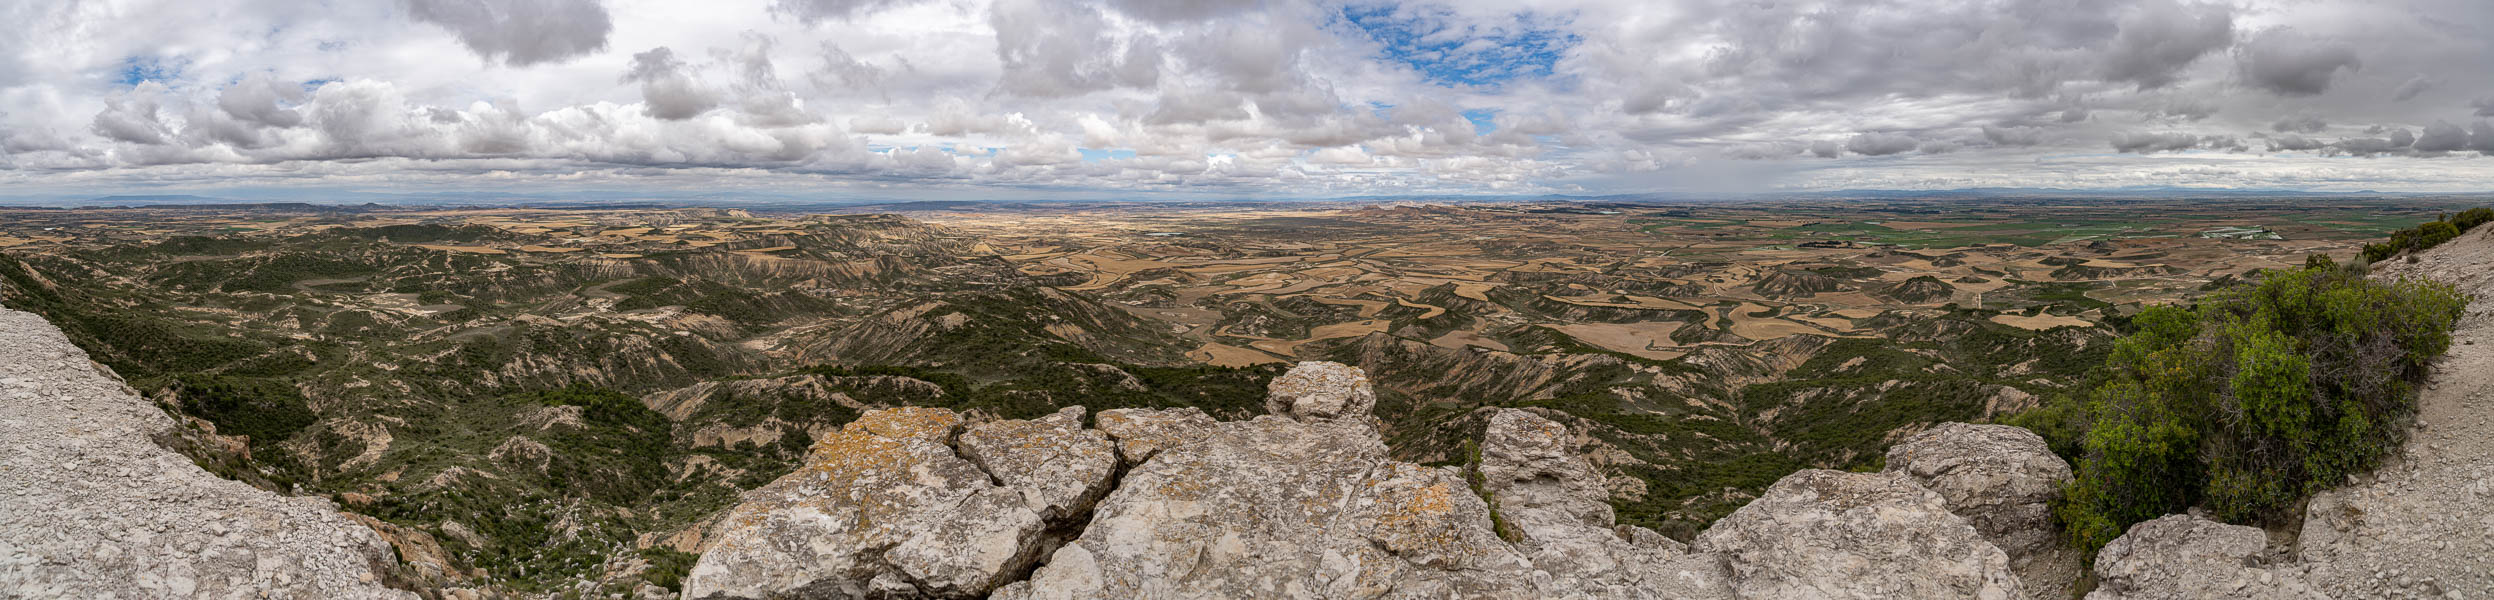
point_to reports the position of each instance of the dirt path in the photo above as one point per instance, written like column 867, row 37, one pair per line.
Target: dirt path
column 2423, row 526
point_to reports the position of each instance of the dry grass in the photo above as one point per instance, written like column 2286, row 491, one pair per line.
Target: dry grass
column 1224, row 355
column 2039, row 322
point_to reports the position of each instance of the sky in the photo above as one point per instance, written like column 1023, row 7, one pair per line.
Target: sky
column 912, row 99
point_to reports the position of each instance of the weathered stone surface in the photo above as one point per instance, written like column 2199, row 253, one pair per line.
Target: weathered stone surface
column 1060, row 468
column 885, row 508
column 2002, row 479
column 1283, row 508
column 2182, row 556
column 1320, row 391
column 92, row 507
column 1832, row 534
column 1553, row 498
column 1142, row 432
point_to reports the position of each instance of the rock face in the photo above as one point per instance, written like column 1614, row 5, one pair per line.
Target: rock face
column 1553, row 498
column 1303, row 506
column 1306, row 503
column 887, row 507
column 2002, row 480
column 92, row 507
column 1833, row 534
column 2182, row 556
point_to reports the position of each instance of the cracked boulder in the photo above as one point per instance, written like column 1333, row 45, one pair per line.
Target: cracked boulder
column 1303, row 503
column 1060, row 468
column 1823, row 534
column 886, row 507
column 1554, row 501
column 1142, row 432
column 2003, row 480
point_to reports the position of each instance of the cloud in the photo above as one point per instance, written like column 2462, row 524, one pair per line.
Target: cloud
column 2150, row 143
column 1880, row 143
column 2294, row 142
column 261, row 99
column 668, row 90
column 2441, row 137
column 1182, row 10
column 2481, row 138
column 2013, row 136
column 520, row 32
column 2367, row 147
column 2299, row 124
column 1054, row 50
column 812, row 11
column 2408, row 90
column 2289, row 63
column 1251, row 96
column 2162, row 37
column 133, row 121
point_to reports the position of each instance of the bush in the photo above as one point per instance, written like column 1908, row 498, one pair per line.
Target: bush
column 2256, row 398
column 2434, row 234
column 267, row 410
column 2471, row 218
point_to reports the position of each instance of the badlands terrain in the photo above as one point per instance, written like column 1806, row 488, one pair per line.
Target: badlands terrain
column 545, row 401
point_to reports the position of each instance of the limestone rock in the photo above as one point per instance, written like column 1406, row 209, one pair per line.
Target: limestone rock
column 92, row 507
column 1143, row 432
column 886, row 508
column 1060, row 468
column 2002, row 480
column 1833, row 534
column 1554, row 500
column 1319, row 391
column 1275, row 507
column 2183, row 556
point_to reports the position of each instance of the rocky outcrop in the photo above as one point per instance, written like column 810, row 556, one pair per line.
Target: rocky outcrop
column 893, row 505
column 1554, row 500
column 2183, row 556
column 1833, row 534
column 92, row 507
column 1306, row 503
column 2002, row 480
column 1321, row 391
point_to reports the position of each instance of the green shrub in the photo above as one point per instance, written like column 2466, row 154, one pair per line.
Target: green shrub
column 2260, row 396
column 2471, row 218
column 2434, row 234
column 268, row 410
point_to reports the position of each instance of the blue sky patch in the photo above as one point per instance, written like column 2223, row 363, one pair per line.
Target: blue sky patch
column 1093, row 154
column 1483, row 120
column 140, row 69
column 1450, row 52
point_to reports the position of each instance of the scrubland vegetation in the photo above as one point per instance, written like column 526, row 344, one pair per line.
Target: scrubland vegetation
column 2255, row 397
